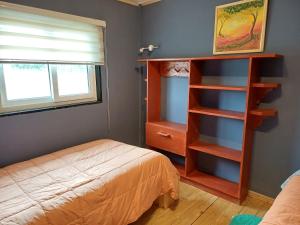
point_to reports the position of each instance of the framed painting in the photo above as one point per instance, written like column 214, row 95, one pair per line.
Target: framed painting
column 240, row 27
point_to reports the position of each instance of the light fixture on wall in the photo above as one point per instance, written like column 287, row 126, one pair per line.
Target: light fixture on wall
column 148, row 49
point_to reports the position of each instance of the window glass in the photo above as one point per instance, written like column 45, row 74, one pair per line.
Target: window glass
column 35, row 86
column 26, row 81
column 72, row 80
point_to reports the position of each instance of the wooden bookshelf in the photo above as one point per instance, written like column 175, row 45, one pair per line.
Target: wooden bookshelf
column 185, row 141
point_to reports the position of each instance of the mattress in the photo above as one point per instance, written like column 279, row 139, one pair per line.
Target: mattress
column 103, row 182
column 286, row 207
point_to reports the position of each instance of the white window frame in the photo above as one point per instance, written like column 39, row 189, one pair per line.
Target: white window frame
column 92, row 86
column 54, row 100
column 21, row 102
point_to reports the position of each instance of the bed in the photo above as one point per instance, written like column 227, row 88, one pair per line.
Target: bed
column 286, row 207
column 103, row 182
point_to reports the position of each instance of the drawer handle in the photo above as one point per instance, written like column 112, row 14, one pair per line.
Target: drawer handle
column 167, row 135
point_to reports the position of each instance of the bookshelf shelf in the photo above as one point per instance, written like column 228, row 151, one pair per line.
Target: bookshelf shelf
column 214, row 183
column 216, row 150
column 218, row 87
column 217, row 112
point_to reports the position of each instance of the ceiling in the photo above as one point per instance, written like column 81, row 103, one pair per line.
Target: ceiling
column 139, row 2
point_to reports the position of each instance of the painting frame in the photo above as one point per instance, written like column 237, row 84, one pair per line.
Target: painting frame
column 264, row 15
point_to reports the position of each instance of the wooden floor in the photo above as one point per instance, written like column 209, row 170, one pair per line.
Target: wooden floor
column 200, row 208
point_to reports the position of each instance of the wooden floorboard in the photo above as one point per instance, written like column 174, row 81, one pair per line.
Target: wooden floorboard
column 197, row 207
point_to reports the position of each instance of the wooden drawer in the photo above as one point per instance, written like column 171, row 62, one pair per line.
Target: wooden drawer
column 161, row 136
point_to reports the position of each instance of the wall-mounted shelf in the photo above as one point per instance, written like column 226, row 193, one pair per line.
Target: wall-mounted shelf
column 186, row 140
column 260, row 115
column 266, row 85
column 264, row 112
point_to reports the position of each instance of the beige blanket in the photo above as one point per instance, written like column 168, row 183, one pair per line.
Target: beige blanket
column 102, row 182
column 286, row 207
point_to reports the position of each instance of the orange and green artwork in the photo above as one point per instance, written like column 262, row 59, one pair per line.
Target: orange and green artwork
column 240, row 27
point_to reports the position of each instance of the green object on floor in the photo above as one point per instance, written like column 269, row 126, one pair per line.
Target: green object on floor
column 245, row 220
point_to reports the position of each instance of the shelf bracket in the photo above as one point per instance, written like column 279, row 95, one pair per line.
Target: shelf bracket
column 259, row 115
column 260, row 94
column 261, row 90
column 257, row 121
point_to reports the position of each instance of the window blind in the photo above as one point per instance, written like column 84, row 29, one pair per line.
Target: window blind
column 38, row 37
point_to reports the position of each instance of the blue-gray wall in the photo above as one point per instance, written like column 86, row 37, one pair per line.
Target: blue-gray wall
column 29, row 135
column 185, row 28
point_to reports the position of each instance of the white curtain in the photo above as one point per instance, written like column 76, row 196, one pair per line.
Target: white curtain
column 30, row 37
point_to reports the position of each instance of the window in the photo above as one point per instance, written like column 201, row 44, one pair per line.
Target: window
column 30, row 86
column 48, row 59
